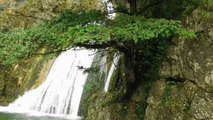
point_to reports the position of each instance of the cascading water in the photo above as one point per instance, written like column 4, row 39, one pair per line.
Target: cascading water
column 60, row 94
column 110, row 9
column 110, row 73
column 61, row 91
column 111, row 15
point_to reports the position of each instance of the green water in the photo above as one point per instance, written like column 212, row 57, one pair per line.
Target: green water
column 16, row 116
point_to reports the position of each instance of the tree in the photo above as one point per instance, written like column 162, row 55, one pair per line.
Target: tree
column 133, row 6
column 127, row 34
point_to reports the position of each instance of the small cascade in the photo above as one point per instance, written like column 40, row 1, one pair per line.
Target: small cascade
column 111, row 15
column 61, row 91
column 110, row 73
column 110, row 9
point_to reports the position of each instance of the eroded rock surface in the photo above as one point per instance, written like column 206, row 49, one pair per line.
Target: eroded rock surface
column 185, row 88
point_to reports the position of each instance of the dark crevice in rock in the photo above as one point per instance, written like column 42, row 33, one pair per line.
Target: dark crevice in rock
column 176, row 80
column 192, row 81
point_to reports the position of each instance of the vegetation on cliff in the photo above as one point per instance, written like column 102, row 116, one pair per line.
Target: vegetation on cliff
column 126, row 33
column 21, row 43
column 143, row 36
column 134, row 35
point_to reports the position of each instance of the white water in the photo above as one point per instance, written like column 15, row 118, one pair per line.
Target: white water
column 110, row 9
column 60, row 94
column 110, row 73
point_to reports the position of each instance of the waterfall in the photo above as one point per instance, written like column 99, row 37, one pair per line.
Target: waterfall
column 61, row 91
column 110, row 73
column 111, row 15
column 110, row 9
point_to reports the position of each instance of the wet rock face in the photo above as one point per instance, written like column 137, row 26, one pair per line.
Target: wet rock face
column 56, row 6
column 189, row 67
column 184, row 90
column 25, row 13
column 3, row 4
column 201, row 107
column 191, row 60
column 17, row 78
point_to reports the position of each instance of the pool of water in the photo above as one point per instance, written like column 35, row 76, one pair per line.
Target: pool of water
column 21, row 116
column 7, row 113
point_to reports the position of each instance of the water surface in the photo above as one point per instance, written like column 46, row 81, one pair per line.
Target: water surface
column 20, row 116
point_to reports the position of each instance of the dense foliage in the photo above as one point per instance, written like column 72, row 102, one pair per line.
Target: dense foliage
column 20, row 43
column 127, row 28
column 72, row 28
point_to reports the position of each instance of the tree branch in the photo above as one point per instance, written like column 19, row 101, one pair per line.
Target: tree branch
column 29, row 16
column 112, row 43
column 94, row 46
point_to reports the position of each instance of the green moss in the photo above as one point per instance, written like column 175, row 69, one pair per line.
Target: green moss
column 124, row 111
column 21, row 77
column 36, row 65
column 118, row 83
column 203, row 15
column 94, row 94
column 204, row 4
column 9, row 21
column 94, row 84
column 139, row 111
column 168, row 93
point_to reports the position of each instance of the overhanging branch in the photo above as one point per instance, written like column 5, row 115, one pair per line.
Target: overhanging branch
column 113, row 43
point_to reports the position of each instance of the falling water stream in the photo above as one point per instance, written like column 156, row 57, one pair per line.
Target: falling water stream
column 58, row 97
column 61, row 92
column 110, row 73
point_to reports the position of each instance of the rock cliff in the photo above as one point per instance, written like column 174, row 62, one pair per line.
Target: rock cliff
column 184, row 87
column 182, row 90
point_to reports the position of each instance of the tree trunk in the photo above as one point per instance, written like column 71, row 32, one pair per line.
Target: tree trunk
column 130, row 75
column 129, row 63
column 133, row 6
